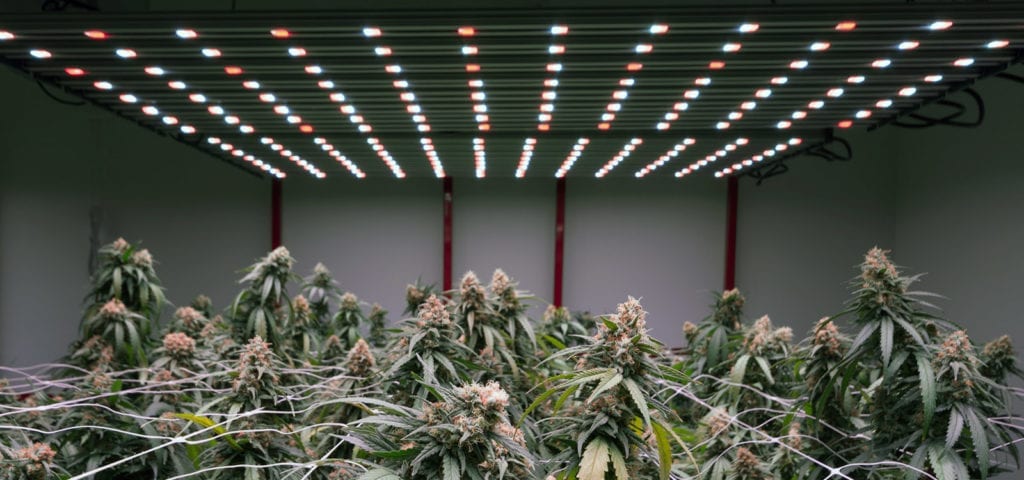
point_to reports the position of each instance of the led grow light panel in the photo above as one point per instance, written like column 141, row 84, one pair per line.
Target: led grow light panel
column 606, row 93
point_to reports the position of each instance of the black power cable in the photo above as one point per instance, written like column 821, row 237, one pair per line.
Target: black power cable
column 951, row 119
column 820, row 149
column 56, row 98
column 1010, row 76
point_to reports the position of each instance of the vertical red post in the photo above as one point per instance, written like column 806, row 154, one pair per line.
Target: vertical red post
column 559, row 239
column 447, row 182
column 275, row 213
column 731, row 203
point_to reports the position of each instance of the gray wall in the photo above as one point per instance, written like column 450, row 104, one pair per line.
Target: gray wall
column 374, row 236
column 942, row 199
column 959, row 214
column 508, row 225
column 58, row 163
column 660, row 241
column 377, row 236
column 801, row 234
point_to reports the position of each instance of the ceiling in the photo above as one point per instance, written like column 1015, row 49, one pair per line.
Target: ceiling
column 519, row 91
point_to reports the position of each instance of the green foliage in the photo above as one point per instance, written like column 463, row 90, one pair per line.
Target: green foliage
column 427, row 348
column 24, row 460
column 465, row 433
column 123, row 302
column 416, row 294
column 607, row 410
column 471, row 387
column 126, row 273
column 321, row 290
column 258, row 310
column 302, row 331
column 125, row 331
column 348, row 322
column 378, row 326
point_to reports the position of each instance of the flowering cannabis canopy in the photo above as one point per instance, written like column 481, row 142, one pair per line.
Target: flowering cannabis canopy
column 320, row 386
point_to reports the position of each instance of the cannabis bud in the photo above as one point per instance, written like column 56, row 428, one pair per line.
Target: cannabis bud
column 34, row 459
column 729, row 308
column 254, row 366
column 360, row 359
column 413, row 295
column 349, row 301
column 747, row 465
column 433, row 313
column 119, row 245
column 142, row 258
column 762, row 336
column 113, row 309
column 471, row 290
column 202, row 302
column 179, row 345
column 281, row 257
column 826, row 335
column 189, row 317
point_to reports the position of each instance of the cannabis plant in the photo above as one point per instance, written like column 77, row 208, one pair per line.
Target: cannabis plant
column 126, row 273
column 356, row 377
column 465, row 433
column 248, row 440
column 427, row 348
column 188, row 320
column 416, row 294
column 466, row 390
column 559, row 330
column 347, row 323
column 321, row 289
column 176, row 358
column 378, row 326
column 747, row 409
column 203, row 305
column 832, row 403
column 303, row 330
column 493, row 326
column 258, row 310
column 608, row 413
column 508, row 304
column 712, row 342
column 926, row 399
column 28, row 461
column 126, row 332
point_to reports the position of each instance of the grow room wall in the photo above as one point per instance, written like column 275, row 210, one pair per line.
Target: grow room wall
column 943, row 199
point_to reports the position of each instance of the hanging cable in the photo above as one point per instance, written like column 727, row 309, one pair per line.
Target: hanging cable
column 950, row 120
column 823, row 149
column 62, row 5
column 1010, row 76
column 45, row 90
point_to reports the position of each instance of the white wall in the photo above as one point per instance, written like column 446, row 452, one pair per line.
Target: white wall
column 661, row 241
column 57, row 163
column 657, row 240
column 801, row 234
column 942, row 199
column 959, row 213
column 506, row 224
column 375, row 236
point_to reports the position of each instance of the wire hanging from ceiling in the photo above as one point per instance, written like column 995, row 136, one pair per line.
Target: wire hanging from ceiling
column 823, row 149
column 951, row 119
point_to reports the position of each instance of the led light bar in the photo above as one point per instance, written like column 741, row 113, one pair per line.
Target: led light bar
column 574, row 155
column 796, row 73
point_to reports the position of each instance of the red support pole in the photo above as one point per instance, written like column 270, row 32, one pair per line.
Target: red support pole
column 559, row 239
column 731, row 203
column 447, row 282
column 275, row 213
